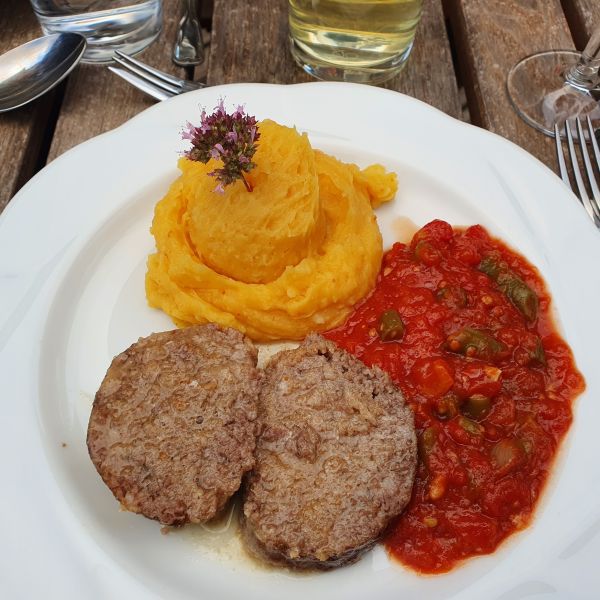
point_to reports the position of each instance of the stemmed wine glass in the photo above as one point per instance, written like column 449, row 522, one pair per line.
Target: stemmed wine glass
column 556, row 85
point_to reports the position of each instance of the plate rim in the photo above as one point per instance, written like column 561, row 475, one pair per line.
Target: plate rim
column 73, row 153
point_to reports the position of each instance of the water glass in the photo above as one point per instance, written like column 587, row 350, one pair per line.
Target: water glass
column 107, row 25
column 364, row 41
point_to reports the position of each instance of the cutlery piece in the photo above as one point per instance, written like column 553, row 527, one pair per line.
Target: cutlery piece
column 141, row 84
column 153, row 82
column 590, row 203
column 32, row 69
column 189, row 49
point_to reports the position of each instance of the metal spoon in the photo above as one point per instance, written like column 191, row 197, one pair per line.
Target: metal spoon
column 189, row 49
column 32, row 69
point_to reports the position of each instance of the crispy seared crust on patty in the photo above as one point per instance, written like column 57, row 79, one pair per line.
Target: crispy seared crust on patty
column 335, row 460
column 173, row 425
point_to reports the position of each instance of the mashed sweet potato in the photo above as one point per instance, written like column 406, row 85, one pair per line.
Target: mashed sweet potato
column 290, row 257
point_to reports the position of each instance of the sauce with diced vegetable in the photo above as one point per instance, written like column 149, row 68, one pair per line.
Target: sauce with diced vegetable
column 462, row 324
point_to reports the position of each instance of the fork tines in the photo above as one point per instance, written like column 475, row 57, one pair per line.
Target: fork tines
column 156, row 83
column 591, row 203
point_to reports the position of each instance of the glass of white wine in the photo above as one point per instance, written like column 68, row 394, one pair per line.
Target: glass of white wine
column 363, row 41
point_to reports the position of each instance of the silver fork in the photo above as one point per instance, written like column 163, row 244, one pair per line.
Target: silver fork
column 189, row 48
column 590, row 203
column 157, row 84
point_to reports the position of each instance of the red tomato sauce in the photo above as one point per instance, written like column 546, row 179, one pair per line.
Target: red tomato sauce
column 490, row 410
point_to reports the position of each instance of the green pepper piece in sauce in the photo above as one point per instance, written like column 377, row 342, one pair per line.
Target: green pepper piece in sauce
column 514, row 288
column 390, row 327
column 538, row 355
column 491, row 267
column 520, row 294
column 476, row 406
column 475, row 343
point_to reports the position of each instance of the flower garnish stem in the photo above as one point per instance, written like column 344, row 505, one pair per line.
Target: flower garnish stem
column 248, row 186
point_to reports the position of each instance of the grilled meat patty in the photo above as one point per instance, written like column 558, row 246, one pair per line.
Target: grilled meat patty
column 173, row 425
column 335, row 459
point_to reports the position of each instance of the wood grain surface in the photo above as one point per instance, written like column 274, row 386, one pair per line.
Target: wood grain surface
column 21, row 130
column 491, row 38
column 583, row 17
column 250, row 43
column 429, row 74
column 96, row 100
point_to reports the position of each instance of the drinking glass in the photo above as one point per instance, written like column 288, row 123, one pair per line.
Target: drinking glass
column 364, row 41
column 107, row 25
column 556, row 85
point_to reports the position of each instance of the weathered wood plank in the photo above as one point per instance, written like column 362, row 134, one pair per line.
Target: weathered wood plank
column 583, row 17
column 250, row 43
column 429, row 74
column 492, row 37
column 21, row 130
column 97, row 100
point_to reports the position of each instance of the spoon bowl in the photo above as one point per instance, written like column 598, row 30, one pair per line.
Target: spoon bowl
column 30, row 70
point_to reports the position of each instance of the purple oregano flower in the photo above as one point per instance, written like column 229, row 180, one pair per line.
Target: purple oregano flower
column 231, row 138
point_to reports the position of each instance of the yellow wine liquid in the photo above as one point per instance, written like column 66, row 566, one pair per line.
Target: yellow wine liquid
column 353, row 34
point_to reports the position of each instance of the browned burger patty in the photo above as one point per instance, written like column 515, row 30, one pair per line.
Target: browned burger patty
column 335, row 459
column 172, row 429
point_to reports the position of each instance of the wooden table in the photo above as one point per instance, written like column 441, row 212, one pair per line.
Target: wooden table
column 463, row 51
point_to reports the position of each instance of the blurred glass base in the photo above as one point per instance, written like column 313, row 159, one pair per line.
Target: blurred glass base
column 539, row 91
column 361, row 41
column 128, row 25
column 373, row 74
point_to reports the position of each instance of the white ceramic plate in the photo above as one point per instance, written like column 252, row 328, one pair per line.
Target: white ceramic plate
column 73, row 245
